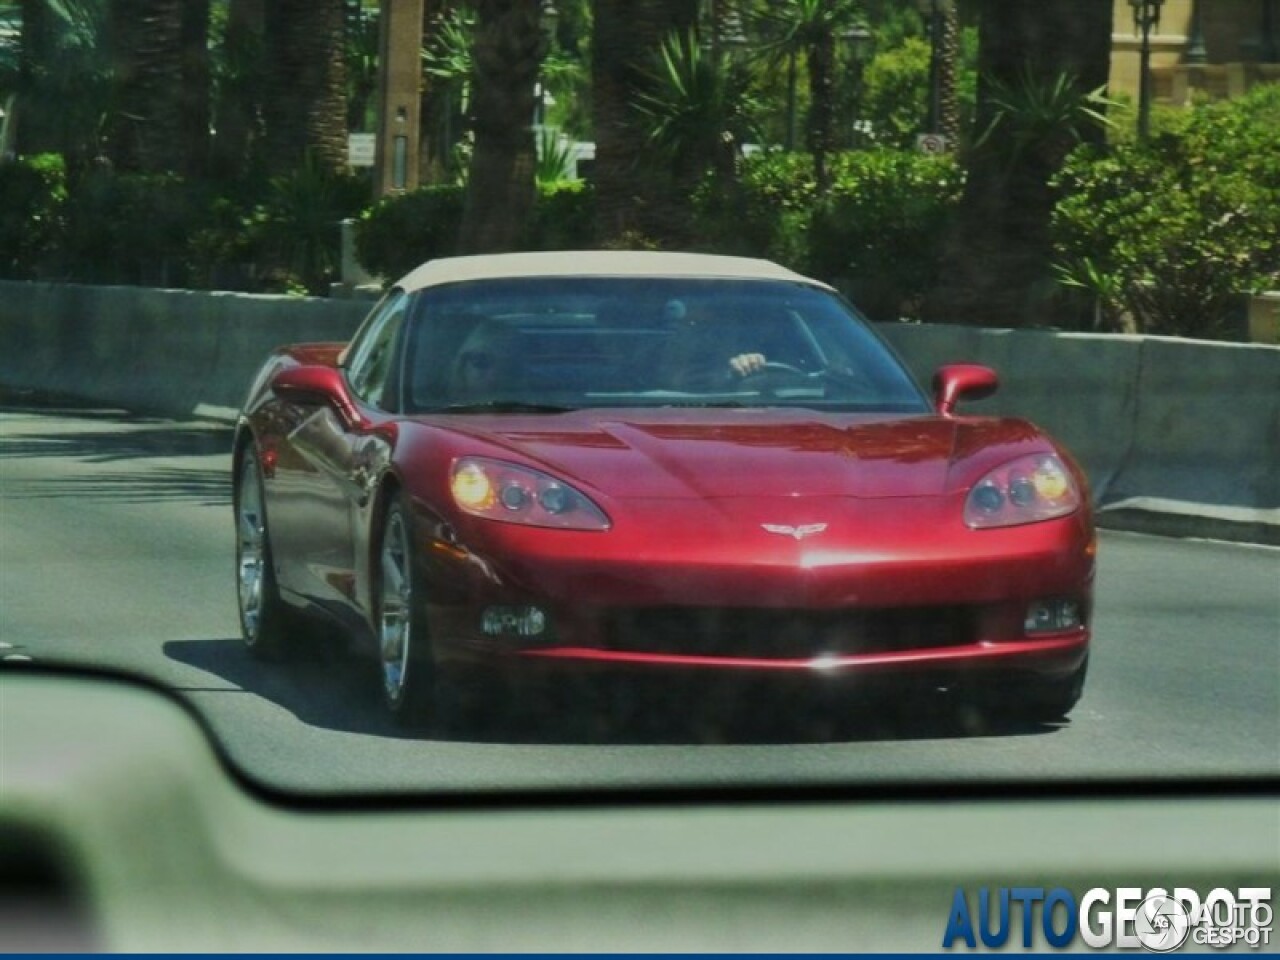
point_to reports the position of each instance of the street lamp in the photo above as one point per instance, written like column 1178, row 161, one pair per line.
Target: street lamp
column 858, row 41
column 549, row 19
column 1146, row 15
column 929, row 9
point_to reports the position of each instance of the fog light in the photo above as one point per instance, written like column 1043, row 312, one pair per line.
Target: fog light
column 1052, row 616
column 513, row 621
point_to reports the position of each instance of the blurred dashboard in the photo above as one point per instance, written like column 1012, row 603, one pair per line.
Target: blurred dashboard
column 123, row 827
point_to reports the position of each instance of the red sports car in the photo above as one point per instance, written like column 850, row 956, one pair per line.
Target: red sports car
column 654, row 463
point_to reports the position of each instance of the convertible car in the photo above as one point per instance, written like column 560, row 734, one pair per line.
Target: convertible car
column 576, row 464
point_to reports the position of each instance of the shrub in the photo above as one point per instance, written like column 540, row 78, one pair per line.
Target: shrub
column 298, row 224
column 1175, row 230
column 563, row 217
column 33, row 194
column 765, row 213
column 879, row 234
column 399, row 232
column 128, row 228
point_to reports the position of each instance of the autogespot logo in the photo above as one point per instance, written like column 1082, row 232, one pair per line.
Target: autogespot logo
column 1129, row 918
column 1162, row 923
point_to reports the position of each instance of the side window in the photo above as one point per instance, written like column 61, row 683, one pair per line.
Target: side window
column 371, row 369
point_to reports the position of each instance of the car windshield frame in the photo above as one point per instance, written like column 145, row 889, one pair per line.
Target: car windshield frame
column 647, row 312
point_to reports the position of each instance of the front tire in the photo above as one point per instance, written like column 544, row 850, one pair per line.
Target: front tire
column 1039, row 701
column 267, row 624
column 404, row 648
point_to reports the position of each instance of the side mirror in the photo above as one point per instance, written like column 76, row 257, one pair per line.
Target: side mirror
column 962, row 381
column 314, row 384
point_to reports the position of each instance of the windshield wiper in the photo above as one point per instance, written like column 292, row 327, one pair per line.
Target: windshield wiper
column 500, row 406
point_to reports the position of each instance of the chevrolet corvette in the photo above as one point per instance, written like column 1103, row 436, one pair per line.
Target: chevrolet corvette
column 674, row 465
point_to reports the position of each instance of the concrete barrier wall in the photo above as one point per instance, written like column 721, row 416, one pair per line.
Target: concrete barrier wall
column 153, row 351
column 1148, row 417
column 1080, row 387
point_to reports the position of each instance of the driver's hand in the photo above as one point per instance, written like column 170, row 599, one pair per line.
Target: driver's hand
column 747, row 363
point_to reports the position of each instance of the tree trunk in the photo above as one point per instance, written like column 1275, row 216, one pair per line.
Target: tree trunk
column 440, row 122
column 238, row 110
column 146, row 132
column 507, row 57
column 821, row 54
column 306, row 87
column 636, row 200
column 948, row 71
column 195, row 90
column 25, row 132
column 998, row 260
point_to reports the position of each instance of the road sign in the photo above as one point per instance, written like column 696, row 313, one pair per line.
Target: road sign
column 931, row 143
column 361, row 149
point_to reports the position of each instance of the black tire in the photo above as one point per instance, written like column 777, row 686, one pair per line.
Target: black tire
column 269, row 627
column 405, row 661
column 1037, row 700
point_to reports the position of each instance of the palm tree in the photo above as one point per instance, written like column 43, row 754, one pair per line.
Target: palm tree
column 306, row 85
column 146, row 129
column 948, row 70
column 238, row 82
column 1036, row 61
column 507, row 53
column 692, row 109
column 809, row 28
column 56, row 79
column 636, row 200
column 448, row 32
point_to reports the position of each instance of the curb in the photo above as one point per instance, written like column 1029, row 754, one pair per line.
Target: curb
column 1178, row 518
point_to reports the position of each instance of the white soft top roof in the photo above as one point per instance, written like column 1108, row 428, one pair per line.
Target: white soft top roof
column 594, row 263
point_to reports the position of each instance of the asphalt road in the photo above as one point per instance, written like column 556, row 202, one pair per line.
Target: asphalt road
column 115, row 550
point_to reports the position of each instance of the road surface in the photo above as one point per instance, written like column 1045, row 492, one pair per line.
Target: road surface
column 116, row 551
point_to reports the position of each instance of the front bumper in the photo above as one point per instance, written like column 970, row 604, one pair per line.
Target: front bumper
column 905, row 590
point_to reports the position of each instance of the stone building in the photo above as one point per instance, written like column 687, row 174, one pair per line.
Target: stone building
column 1215, row 48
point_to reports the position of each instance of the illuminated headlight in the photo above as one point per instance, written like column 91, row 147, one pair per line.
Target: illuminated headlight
column 1027, row 490
column 511, row 493
column 513, row 621
column 1053, row 616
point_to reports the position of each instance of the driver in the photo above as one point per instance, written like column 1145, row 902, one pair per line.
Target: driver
column 701, row 352
column 485, row 363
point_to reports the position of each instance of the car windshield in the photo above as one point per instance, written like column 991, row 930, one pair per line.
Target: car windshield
column 570, row 343
column 459, row 396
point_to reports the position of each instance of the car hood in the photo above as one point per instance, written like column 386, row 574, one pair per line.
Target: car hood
column 736, row 453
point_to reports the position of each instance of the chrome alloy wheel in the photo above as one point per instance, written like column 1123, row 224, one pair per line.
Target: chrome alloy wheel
column 251, row 554
column 395, row 612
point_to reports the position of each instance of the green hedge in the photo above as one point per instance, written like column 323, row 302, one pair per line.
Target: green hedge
column 33, row 195
column 877, row 235
column 400, row 232
column 1171, row 232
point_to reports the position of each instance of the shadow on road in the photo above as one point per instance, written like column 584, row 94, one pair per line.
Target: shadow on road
column 120, row 450
column 204, row 486
column 338, row 690
column 123, row 440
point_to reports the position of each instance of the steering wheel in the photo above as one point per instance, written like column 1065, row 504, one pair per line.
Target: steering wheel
column 774, row 368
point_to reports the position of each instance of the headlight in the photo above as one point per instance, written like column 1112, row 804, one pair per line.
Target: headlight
column 512, row 494
column 1030, row 489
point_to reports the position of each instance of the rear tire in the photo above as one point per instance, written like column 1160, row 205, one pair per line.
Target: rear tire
column 268, row 625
